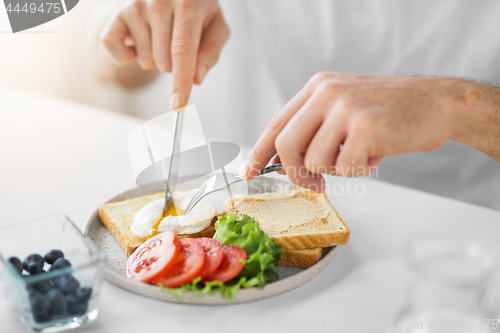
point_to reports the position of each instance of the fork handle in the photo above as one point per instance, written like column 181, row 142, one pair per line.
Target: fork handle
column 268, row 169
column 271, row 168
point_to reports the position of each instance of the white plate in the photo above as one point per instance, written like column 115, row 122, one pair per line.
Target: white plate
column 289, row 277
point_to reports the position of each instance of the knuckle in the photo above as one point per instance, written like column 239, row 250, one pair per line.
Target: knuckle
column 158, row 6
column 364, row 123
column 345, row 106
column 136, row 6
column 330, row 87
column 318, row 78
column 281, row 145
column 185, row 4
column 181, row 48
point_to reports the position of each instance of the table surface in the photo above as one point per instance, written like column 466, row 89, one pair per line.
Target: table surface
column 63, row 157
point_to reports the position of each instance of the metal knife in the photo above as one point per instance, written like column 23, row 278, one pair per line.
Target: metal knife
column 173, row 167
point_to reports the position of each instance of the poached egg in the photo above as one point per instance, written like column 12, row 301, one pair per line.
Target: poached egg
column 149, row 220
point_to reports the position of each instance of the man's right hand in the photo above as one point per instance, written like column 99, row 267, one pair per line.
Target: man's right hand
column 184, row 37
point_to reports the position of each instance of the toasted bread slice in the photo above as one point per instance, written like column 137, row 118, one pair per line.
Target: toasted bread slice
column 298, row 219
column 301, row 258
column 118, row 217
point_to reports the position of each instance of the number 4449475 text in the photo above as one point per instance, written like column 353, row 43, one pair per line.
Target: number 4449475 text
column 44, row 7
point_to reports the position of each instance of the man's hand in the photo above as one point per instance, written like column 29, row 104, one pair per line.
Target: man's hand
column 180, row 36
column 343, row 124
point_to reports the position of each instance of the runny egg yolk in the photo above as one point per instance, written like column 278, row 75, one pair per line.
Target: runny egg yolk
column 172, row 210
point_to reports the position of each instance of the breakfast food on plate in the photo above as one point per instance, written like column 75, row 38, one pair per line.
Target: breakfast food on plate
column 133, row 221
column 256, row 234
column 300, row 220
column 56, row 297
column 240, row 255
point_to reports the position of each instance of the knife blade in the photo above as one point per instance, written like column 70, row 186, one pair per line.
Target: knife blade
column 173, row 168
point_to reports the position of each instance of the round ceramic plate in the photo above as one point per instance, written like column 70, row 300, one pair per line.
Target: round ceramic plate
column 289, row 277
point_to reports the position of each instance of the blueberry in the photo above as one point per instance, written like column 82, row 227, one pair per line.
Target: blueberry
column 83, row 293
column 17, row 264
column 39, row 304
column 32, row 292
column 33, row 257
column 60, row 263
column 34, row 268
column 57, row 301
column 75, row 305
column 53, row 255
column 54, row 280
column 43, row 317
column 67, row 284
column 41, row 286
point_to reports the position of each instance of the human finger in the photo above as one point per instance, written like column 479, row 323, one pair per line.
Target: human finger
column 161, row 18
column 352, row 160
column 213, row 39
column 324, row 148
column 135, row 17
column 113, row 38
column 292, row 142
column 186, row 36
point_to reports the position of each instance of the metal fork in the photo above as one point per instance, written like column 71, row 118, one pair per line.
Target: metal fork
column 219, row 182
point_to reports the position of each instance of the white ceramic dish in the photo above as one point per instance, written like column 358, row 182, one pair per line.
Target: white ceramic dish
column 289, row 277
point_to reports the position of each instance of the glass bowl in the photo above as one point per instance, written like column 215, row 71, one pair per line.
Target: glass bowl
column 29, row 294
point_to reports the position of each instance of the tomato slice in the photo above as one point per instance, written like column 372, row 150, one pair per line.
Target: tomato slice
column 230, row 266
column 188, row 266
column 213, row 256
column 154, row 257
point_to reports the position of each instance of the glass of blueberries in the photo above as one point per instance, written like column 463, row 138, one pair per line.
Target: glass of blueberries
column 58, row 288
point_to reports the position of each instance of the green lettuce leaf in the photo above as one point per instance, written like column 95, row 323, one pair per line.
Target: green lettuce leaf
column 227, row 290
column 262, row 252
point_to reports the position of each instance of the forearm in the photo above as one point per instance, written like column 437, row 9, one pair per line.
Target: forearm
column 478, row 117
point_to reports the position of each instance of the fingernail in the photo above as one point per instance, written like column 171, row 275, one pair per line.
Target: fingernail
column 175, row 101
column 202, row 73
column 243, row 170
column 146, row 64
column 309, row 164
